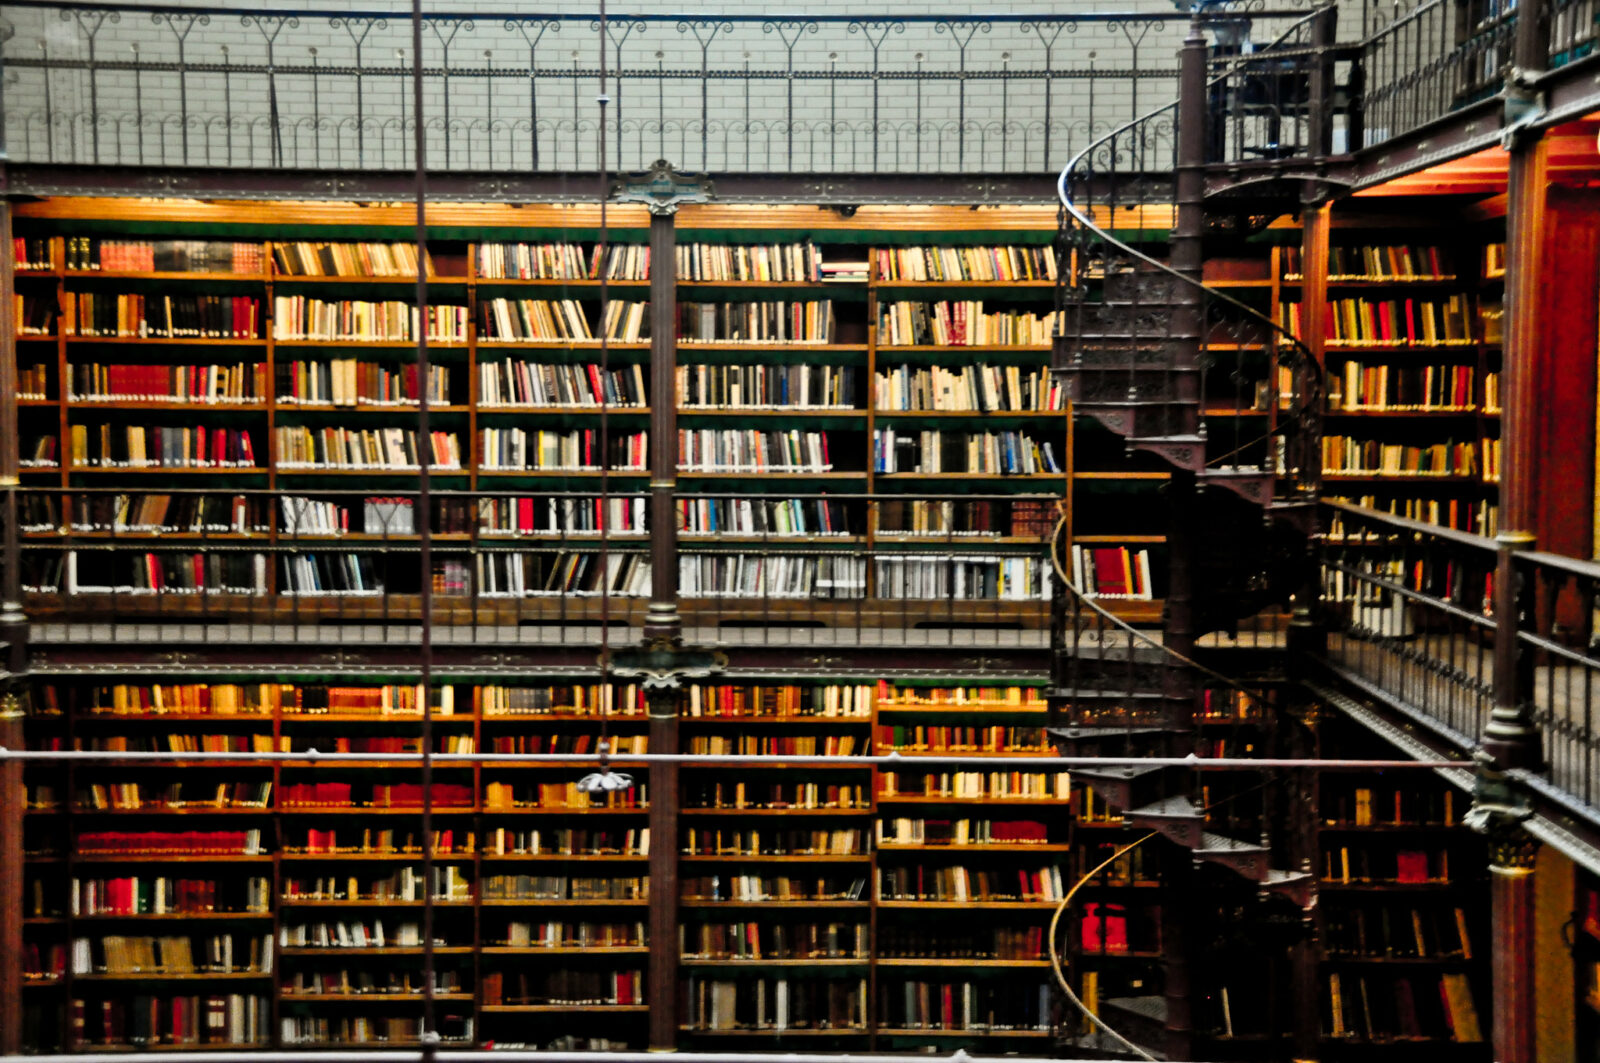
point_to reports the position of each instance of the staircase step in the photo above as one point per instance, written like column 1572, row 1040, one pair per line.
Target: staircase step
column 1090, row 733
column 1169, row 808
column 1184, row 439
column 1177, row 818
column 1123, row 786
column 1153, row 1008
column 1295, row 885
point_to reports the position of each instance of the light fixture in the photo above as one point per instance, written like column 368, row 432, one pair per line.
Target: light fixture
column 605, row 780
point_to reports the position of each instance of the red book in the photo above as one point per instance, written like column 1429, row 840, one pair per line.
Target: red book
column 1109, row 571
column 1411, row 866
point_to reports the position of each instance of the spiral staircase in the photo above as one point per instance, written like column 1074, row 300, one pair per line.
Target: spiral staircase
column 1229, row 404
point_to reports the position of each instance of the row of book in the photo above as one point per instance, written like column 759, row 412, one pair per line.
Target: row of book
column 316, row 842
column 299, row 317
column 519, row 575
column 1364, row 386
column 773, row 941
column 31, row 253
column 1376, row 262
column 566, row 841
column 33, row 382
column 748, row 263
column 171, row 954
column 532, row 515
column 969, row 389
column 754, row 841
column 960, row 738
column 1382, row 1008
column 353, row 382
column 130, row 796
column 978, row 1006
column 404, row 884
column 342, row 982
column 345, row 1029
column 301, row 447
column 146, row 1021
column 374, row 795
column 934, row 451
column 771, row 321
column 102, row 315
column 777, row 1002
column 561, row 516
column 963, row 323
column 961, row 578
column 771, row 517
column 969, row 885
column 350, row 934
column 743, row 888
column 1366, row 864
column 545, row 320
column 741, row 795
column 509, row 382
column 404, row 701
column 90, row 253
column 752, row 450
column 304, row 258
column 167, row 842
column 570, row 987
column 564, row 888
column 1481, row 518
column 578, row 449
column 942, row 942
column 762, row 700
column 1007, row 263
column 135, row 445
column 562, row 261
column 1349, row 455
column 503, row 795
column 1384, row 930
column 763, row 745
column 772, row 576
column 161, row 895
column 1112, row 572
column 910, row 830
column 977, row 785
column 580, row 935
column 1389, row 322
column 766, row 387
column 240, row 382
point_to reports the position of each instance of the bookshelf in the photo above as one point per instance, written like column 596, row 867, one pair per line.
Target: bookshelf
column 248, row 382
column 1412, row 353
column 1402, row 921
column 811, row 902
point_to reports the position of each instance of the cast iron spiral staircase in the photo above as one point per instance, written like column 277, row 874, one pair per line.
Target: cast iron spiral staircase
column 1229, row 403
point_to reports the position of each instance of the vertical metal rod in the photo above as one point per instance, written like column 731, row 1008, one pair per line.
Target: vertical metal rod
column 430, row 1033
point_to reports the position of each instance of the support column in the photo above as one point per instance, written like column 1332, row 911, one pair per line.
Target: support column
column 662, row 620
column 661, row 986
column 11, row 802
column 1188, row 322
column 13, row 623
column 13, row 631
column 1513, row 961
column 1510, row 740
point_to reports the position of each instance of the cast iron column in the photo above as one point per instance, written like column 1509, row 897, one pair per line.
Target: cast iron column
column 13, row 629
column 1511, row 739
column 662, row 620
column 1188, row 327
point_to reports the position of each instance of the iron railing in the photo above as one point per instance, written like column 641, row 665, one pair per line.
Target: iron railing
column 266, row 566
column 1409, row 609
column 147, row 85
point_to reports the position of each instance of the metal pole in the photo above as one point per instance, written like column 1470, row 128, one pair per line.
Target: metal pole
column 430, row 1033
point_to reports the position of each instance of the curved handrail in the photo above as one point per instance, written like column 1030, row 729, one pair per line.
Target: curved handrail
column 1311, row 390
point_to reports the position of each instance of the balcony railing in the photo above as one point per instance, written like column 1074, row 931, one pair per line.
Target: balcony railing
column 147, row 85
column 1410, row 609
column 344, row 567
